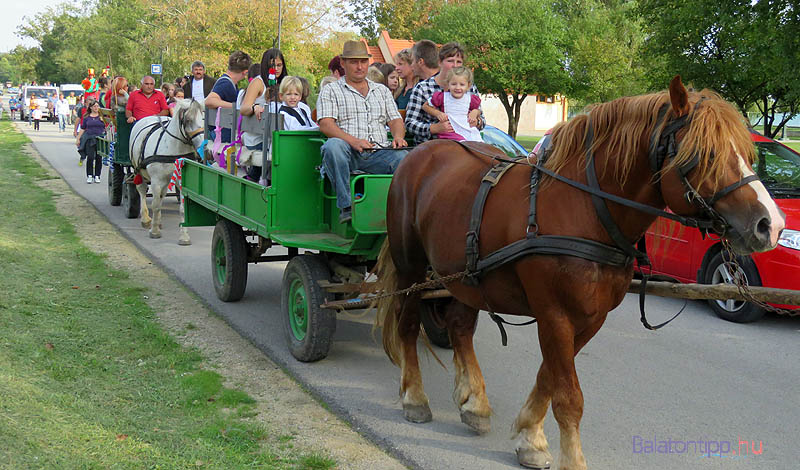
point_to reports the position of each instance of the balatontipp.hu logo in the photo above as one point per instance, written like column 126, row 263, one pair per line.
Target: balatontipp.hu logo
column 701, row 447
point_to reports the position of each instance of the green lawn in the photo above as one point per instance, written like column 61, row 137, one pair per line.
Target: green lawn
column 793, row 145
column 528, row 141
column 88, row 378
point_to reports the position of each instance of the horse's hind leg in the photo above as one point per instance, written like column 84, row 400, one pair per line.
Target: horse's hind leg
column 469, row 392
column 159, row 188
column 415, row 403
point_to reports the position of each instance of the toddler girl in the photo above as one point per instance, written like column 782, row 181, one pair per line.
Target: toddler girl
column 457, row 105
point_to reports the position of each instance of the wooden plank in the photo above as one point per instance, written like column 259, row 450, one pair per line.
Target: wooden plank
column 659, row 288
column 716, row 291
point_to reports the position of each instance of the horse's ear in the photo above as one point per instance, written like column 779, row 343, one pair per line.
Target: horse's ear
column 679, row 96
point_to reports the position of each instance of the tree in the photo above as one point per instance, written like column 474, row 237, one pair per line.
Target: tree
column 604, row 41
column 399, row 18
column 515, row 47
column 745, row 50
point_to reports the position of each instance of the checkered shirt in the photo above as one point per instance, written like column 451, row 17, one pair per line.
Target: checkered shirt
column 418, row 122
column 362, row 117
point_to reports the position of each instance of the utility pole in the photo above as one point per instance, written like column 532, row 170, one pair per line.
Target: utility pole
column 280, row 20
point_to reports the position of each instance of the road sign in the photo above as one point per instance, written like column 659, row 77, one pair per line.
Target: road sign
column 155, row 69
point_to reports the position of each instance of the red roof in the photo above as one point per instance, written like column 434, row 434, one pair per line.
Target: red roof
column 395, row 45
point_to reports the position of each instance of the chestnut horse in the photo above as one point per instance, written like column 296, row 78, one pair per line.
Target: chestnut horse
column 428, row 216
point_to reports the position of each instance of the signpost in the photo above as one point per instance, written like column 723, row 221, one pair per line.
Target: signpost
column 155, row 69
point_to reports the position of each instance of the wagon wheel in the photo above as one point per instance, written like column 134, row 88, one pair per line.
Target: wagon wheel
column 131, row 204
column 309, row 328
column 229, row 261
column 115, row 180
column 431, row 315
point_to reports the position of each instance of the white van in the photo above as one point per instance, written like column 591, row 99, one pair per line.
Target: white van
column 39, row 93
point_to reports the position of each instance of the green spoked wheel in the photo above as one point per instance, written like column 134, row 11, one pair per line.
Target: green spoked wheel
column 229, row 261
column 309, row 329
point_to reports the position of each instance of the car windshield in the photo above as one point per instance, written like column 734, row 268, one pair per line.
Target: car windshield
column 38, row 92
column 778, row 167
column 503, row 141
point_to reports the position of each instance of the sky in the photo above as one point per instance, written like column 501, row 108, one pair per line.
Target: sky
column 11, row 14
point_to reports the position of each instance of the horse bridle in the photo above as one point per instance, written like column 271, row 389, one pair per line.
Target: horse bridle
column 663, row 148
column 186, row 137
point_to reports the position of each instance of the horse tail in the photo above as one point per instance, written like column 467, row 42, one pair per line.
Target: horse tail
column 388, row 315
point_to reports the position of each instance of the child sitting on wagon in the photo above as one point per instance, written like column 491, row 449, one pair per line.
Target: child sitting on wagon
column 457, row 105
column 296, row 114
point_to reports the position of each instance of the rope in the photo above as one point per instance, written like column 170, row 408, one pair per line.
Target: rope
column 416, row 287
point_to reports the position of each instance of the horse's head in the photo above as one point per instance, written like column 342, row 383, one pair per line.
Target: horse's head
column 703, row 152
column 189, row 113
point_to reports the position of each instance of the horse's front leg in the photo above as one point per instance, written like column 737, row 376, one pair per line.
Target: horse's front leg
column 144, row 214
column 469, row 392
column 415, row 403
column 183, row 235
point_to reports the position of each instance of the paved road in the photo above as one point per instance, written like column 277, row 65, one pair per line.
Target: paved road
column 699, row 379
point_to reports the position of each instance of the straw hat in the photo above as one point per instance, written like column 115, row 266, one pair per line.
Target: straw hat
column 355, row 50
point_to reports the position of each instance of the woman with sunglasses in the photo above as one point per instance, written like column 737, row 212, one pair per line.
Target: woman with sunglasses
column 92, row 126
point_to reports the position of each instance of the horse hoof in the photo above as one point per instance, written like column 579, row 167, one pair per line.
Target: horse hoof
column 145, row 224
column 537, row 459
column 184, row 242
column 417, row 413
column 155, row 235
column 479, row 424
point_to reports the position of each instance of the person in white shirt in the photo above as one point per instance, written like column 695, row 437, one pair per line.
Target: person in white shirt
column 200, row 85
column 296, row 114
column 62, row 111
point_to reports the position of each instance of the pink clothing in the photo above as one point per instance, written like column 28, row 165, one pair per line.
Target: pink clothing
column 456, row 116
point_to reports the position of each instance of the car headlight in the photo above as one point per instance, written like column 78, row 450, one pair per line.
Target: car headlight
column 790, row 239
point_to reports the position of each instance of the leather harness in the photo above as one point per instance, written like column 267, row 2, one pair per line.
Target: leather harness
column 161, row 125
column 662, row 147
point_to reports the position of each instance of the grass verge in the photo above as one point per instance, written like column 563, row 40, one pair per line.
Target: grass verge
column 88, row 378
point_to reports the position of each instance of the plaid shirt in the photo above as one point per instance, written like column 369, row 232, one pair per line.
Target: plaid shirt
column 362, row 117
column 418, row 122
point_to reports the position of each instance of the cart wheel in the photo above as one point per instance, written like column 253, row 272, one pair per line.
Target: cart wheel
column 720, row 271
column 115, row 180
column 229, row 261
column 309, row 328
column 131, row 204
column 431, row 315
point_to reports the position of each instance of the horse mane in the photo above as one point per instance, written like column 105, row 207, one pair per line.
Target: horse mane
column 624, row 125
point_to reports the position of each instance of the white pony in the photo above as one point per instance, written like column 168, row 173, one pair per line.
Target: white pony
column 156, row 142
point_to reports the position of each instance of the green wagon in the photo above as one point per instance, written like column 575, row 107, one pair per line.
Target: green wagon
column 298, row 211
column 120, row 192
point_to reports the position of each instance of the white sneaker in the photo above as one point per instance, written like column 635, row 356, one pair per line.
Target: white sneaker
column 89, row 180
column 96, row 179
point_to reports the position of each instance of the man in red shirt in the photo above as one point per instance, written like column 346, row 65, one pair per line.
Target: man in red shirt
column 146, row 101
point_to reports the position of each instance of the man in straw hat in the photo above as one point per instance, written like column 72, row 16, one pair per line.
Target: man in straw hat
column 354, row 112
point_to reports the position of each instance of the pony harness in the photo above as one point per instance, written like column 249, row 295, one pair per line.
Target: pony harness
column 161, row 125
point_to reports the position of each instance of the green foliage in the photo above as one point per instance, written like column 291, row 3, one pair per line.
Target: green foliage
column 399, row 18
column 515, row 47
column 745, row 50
column 605, row 38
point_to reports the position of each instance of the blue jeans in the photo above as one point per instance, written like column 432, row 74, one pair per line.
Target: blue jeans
column 339, row 159
column 62, row 122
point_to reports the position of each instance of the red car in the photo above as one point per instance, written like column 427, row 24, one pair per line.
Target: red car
column 681, row 253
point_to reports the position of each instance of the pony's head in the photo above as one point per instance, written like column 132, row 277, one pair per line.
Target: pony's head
column 189, row 114
column 702, row 155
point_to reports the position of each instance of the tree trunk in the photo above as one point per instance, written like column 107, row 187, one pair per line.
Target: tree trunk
column 512, row 124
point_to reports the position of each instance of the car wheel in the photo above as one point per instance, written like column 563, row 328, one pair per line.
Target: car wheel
column 720, row 270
